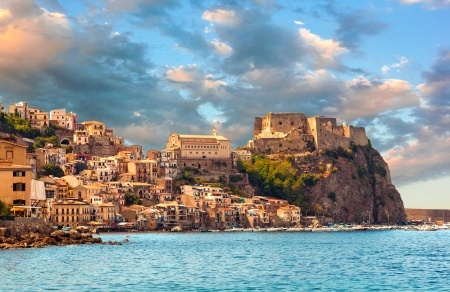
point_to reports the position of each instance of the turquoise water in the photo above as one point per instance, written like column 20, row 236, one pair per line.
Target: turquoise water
column 237, row 261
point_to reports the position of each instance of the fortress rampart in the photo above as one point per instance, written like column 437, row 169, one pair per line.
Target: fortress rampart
column 277, row 132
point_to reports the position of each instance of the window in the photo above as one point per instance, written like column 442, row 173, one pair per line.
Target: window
column 18, row 187
column 19, row 173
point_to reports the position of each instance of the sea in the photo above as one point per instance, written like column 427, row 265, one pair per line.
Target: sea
column 390, row 260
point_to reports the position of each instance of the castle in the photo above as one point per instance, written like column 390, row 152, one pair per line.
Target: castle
column 281, row 132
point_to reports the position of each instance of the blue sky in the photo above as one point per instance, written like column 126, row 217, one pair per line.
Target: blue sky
column 151, row 67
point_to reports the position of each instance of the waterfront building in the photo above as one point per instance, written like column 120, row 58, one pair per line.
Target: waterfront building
column 71, row 213
column 15, row 175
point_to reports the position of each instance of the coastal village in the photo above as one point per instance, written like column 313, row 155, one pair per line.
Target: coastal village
column 102, row 174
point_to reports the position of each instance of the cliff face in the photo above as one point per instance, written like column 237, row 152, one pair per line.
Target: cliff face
column 355, row 187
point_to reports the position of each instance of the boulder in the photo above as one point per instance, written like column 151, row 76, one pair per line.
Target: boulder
column 14, row 235
column 82, row 229
column 5, row 232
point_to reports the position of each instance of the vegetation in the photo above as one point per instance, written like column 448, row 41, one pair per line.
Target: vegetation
column 332, row 196
column 40, row 142
column 51, row 169
column 4, row 208
column 279, row 179
column 79, row 167
column 235, row 178
column 132, row 199
column 188, row 175
column 14, row 124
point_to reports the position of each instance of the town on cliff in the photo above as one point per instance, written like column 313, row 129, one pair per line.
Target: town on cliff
column 84, row 175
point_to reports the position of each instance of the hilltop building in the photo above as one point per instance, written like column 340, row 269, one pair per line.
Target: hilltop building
column 278, row 132
column 210, row 152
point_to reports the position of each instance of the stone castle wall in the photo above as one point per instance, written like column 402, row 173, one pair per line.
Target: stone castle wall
column 284, row 122
column 257, row 126
column 358, row 135
column 293, row 131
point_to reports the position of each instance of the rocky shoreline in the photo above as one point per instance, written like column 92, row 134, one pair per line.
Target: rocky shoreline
column 37, row 235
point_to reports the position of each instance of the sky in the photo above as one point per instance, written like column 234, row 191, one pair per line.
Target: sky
column 148, row 68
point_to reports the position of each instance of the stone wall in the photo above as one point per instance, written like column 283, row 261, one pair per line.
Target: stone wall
column 282, row 122
column 257, row 126
column 223, row 165
column 283, row 131
column 428, row 215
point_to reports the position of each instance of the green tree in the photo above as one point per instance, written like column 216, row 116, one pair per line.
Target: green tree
column 277, row 179
column 132, row 199
column 79, row 167
column 4, row 208
column 40, row 142
column 240, row 166
column 48, row 132
column 51, row 169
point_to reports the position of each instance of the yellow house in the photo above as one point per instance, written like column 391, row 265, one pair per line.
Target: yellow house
column 15, row 176
column 38, row 118
column 15, row 153
column 71, row 213
column 15, row 183
column 94, row 128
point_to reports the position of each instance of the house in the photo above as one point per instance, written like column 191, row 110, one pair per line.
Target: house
column 71, row 213
column 94, row 128
column 15, row 175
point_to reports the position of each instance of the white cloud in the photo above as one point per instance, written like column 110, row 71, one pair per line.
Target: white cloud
column 183, row 74
column 298, row 22
column 363, row 97
column 324, row 52
column 32, row 42
column 221, row 48
column 402, row 62
column 228, row 17
column 423, row 159
column 430, row 4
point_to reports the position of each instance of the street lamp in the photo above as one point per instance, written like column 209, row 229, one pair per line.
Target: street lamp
column 388, row 217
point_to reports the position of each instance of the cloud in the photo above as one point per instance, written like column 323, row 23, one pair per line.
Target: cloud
column 353, row 25
column 363, row 97
column 325, row 53
column 424, row 159
column 221, row 48
column 436, row 89
column 429, row 4
column 183, row 74
column 402, row 62
column 222, row 16
column 427, row 157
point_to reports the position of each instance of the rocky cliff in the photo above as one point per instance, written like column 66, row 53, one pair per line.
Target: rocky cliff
column 354, row 186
